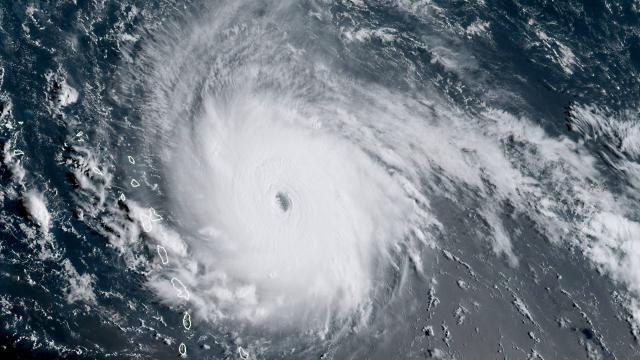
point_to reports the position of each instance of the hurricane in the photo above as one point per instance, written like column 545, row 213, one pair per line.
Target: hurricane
column 319, row 179
column 287, row 215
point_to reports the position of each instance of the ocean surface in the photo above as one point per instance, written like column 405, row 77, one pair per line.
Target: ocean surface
column 259, row 179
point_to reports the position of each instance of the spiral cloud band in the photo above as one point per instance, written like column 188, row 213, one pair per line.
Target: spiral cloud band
column 280, row 210
column 298, row 188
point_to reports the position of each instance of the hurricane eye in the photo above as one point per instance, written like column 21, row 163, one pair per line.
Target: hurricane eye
column 283, row 201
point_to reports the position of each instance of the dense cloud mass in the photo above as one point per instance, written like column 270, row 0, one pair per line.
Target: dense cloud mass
column 292, row 182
